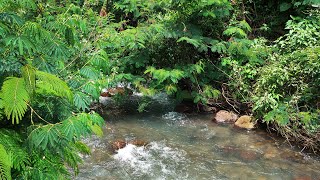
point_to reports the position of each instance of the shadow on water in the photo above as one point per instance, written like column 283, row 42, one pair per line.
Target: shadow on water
column 190, row 147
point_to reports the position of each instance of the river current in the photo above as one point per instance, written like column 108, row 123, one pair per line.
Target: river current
column 191, row 147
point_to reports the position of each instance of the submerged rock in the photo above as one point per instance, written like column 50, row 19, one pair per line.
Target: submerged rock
column 245, row 122
column 249, row 155
column 119, row 144
column 271, row 153
column 292, row 156
column 225, row 117
column 302, row 178
column 138, row 143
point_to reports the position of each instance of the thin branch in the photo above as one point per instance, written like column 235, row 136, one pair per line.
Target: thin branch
column 35, row 112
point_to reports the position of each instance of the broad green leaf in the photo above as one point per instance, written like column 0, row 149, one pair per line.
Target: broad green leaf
column 15, row 98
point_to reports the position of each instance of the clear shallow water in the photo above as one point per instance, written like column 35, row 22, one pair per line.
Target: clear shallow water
column 191, row 147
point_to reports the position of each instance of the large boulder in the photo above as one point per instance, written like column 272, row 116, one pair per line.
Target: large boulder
column 245, row 122
column 223, row 116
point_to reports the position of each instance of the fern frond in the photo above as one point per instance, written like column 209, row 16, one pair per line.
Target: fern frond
column 74, row 127
column 81, row 125
column 27, row 4
column 57, row 136
column 1, row 108
column 11, row 18
column 3, row 29
column 57, row 49
column 5, row 164
column 81, row 101
column 12, row 143
column 45, row 166
column 55, row 84
column 235, row 32
column 101, row 61
column 34, row 30
column 21, row 42
column 195, row 42
column 29, row 76
column 82, row 147
column 90, row 73
column 15, row 98
column 92, row 89
column 43, row 137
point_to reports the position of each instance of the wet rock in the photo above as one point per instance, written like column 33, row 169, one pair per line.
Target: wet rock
column 292, row 156
column 302, row 178
column 114, row 91
column 271, row 153
column 225, row 117
column 249, row 155
column 229, row 149
column 119, row 144
column 245, row 122
column 139, row 143
column 105, row 94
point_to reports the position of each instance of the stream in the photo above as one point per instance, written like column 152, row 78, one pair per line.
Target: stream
column 191, row 147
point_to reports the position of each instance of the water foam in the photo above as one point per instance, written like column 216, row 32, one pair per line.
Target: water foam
column 175, row 118
column 156, row 161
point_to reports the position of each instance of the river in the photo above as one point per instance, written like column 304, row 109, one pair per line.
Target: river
column 191, row 147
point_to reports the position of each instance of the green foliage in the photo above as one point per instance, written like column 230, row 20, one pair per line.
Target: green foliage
column 12, row 142
column 55, row 137
column 302, row 33
column 15, row 98
column 5, row 164
column 52, row 84
column 56, row 57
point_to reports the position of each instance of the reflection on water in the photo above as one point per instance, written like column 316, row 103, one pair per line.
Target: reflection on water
column 191, row 147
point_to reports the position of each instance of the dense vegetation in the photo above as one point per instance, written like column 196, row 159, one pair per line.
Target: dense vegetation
column 56, row 56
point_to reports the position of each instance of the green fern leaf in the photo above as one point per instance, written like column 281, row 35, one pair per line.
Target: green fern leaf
column 69, row 36
column 235, row 32
column 75, row 127
column 44, row 137
column 96, row 129
column 34, row 30
column 3, row 29
column 11, row 18
column 82, row 147
column 5, row 164
column 15, row 98
column 92, row 89
column 55, row 84
column 195, row 42
column 96, row 119
column 20, row 42
column 28, row 4
column 57, row 49
column 90, row 73
column 82, row 101
column 12, row 143
column 101, row 61
column 29, row 76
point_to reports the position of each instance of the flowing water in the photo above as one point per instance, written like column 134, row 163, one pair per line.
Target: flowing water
column 190, row 147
